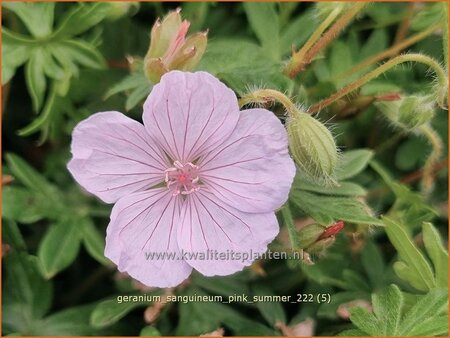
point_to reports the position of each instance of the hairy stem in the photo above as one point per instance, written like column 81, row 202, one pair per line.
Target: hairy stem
column 296, row 66
column 297, row 57
column 440, row 73
column 436, row 152
column 264, row 96
column 289, row 223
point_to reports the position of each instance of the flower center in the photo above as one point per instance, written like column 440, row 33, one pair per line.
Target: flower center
column 182, row 178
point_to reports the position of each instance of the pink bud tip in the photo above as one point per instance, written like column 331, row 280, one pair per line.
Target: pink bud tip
column 332, row 230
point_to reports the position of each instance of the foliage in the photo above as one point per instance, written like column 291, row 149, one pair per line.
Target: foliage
column 386, row 272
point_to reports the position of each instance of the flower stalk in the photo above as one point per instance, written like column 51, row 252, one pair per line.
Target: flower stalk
column 436, row 152
column 297, row 57
column 297, row 64
column 265, row 96
column 441, row 77
column 311, row 143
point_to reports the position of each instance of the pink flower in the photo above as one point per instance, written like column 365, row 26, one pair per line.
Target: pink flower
column 198, row 175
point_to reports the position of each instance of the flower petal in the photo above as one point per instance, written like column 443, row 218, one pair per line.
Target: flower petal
column 252, row 171
column 190, row 112
column 114, row 156
column 145, row 224
column 209, row 224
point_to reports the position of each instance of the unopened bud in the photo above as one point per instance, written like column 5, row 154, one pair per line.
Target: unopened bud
column 309, row 234
column 409, row 112
column 121, row 8
column 316, row 238
column 312, row 147
column 321, row 246
column 332, row 230
column 170, row 48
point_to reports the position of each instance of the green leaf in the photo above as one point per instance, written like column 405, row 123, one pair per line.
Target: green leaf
column 436, row 326
column 29, row 296
column 7, row 73
column 29, row 177
column 429, row 15
column 373, row 263
column 409, row 154
column 343, row 189
column 37, row 17
column 129, row 82
column 13, row 38
column 297, row 31
column 110, row 311
column 202, row 317
column 387, row 306
column 376, row 43
column 414, row 263
column 51, row 68
column 226, row 55
column 429, row 308
column 68, row 322
column 59, row 247
column 35, row 77
column 223, row 285
column 83, row 53
column 196, row 13
column 365, row 321
column 45, row 118
column 243, row 65
column 12, row 236
column 352, row 333
column 138, row 95
column 386, row 316
column 260, row 14
column 340, row 60
column 390, row 318
column 288, row 222
column 93, row 241
column 271, row 311
column 415, row 210
column 24, row 206
column 353, row 162
column 14, row 54
column 437, row 253
column 329, row 209
column 81, row 18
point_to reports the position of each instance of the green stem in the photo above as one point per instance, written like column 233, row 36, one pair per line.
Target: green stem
column 296, row 66
column 297, row 57
column 441, row 79
column 289, row 223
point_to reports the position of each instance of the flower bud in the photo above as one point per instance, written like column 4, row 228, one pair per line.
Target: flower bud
column 409, row 112
column 170, row 49
column 321, row 246
column 316, row 238
column 309, row 234
column 121, row 8
column 312, row 147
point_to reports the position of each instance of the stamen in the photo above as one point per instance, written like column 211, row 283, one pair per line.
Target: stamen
column 182, row 178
